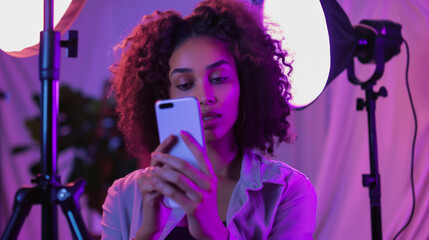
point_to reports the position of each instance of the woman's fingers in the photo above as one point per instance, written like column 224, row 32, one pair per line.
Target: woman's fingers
column 172, row 180
column 174, row 193
column 180, row 181
column 199, row 152
column 184, row 167
column 146, row 180
column 165, row 146
column 177, row 179
column 153, row 176
column 148, row 189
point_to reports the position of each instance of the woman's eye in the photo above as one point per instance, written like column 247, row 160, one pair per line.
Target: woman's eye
column 218, row 80
column 185, row 86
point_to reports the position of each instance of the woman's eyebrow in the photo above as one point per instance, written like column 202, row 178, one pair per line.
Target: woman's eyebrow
column 217, row 64
column 180, row 70
column 211, row 66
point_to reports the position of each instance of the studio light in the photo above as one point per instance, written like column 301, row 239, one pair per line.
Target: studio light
column 300, row 23
column 323, row 42
column 22, row 21
column 378, row 41
column 310, row 23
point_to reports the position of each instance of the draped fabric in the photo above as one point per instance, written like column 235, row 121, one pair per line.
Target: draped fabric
column 332, row 140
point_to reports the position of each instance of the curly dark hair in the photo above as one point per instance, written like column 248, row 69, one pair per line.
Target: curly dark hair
column 140, row 77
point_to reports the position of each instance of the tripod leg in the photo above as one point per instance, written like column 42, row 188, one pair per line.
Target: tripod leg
column 21, row 208
column 69, row 200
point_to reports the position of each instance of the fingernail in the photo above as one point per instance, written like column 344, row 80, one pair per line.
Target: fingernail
column 156, row 155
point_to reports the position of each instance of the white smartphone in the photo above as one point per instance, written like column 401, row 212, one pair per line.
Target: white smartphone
column 174, row 115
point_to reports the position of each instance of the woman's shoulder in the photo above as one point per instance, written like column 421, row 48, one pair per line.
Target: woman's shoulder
column 279, row 172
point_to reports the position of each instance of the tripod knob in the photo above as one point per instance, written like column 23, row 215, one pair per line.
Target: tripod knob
column 71, row 44
column 382, row 92
column 368, row 180
column 360, row 104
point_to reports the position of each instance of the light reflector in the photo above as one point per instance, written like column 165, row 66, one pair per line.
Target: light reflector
column 303, row 27
column 22, row 21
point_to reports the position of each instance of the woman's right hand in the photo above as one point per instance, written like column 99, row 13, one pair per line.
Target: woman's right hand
column 154, row 213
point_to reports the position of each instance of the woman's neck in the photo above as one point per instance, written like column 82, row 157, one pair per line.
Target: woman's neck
column 222, row 154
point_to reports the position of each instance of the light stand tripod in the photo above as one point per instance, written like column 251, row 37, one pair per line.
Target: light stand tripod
column 386, row 42
column 48, row 190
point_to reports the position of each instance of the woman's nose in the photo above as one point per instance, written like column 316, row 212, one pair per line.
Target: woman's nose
column 206, row 94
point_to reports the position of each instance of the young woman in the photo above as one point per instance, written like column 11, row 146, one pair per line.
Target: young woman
column 221, row 55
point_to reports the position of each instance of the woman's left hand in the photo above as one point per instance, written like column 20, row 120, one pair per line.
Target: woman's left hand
column 194, row 190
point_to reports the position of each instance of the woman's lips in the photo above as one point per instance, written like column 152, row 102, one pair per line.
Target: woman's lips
column 210, row 119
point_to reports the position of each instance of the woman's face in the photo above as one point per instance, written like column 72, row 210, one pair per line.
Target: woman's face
column 203, row 68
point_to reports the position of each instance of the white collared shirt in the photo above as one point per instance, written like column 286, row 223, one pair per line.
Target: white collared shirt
column 270, row 201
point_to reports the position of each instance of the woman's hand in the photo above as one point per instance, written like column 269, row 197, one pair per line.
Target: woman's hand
column 194, row 190
column 154, row 213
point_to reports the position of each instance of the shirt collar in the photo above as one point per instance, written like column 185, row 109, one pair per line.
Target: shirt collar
column 256, row 170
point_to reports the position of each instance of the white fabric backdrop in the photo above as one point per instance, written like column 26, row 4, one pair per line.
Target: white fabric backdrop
column 332, row 144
